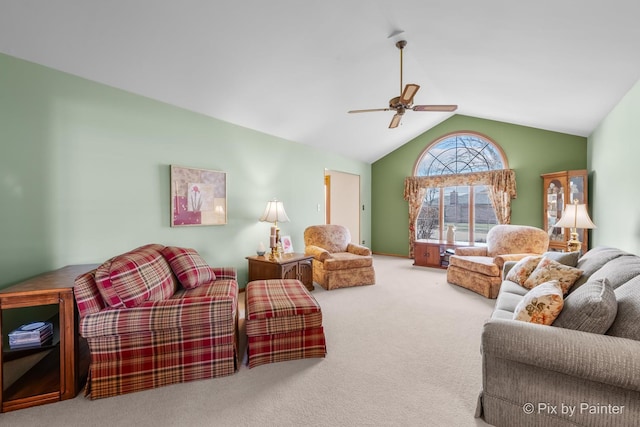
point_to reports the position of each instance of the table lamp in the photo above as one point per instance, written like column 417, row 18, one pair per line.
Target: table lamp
column 274, row 212
column 575, row 216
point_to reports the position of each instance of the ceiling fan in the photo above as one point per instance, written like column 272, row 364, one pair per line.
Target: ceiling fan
column 404, row 102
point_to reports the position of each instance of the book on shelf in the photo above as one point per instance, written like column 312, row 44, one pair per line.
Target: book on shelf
column 34, row 334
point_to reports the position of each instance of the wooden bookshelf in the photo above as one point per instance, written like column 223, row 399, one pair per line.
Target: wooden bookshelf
column 53, row 372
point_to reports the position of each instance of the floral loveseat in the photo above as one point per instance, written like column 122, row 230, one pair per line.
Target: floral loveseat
column 155, row 316
column 575, row 359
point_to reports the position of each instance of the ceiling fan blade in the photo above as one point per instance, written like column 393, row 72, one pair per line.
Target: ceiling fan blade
column 369, row 110
column 434, row 108
column 407, row 94
column 395, row 121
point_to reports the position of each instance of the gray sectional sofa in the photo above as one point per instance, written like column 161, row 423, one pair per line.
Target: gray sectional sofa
column 585, row 373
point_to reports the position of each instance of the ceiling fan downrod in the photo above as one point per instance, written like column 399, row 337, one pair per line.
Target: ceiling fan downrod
column 400, row 45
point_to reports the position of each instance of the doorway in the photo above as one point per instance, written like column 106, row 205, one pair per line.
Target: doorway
column 342, row 201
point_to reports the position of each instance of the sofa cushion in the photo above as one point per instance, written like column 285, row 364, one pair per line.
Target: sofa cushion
column 520, row 272
column 508, row 299
column 549, row 269
column 135, row 277
column 619, row 270
column 591, row 308
column 347, row 260
column 594, row 260
column 191, row 270
column 541, row 305
column 479, row 264
column 566, row 258
column 627, row 320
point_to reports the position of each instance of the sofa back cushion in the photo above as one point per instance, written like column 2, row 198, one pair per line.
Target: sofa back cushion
column 591, row 308
column 594, row 260
column 331, row 237
column 191, row 270
column 140, row 275
column 627, row 320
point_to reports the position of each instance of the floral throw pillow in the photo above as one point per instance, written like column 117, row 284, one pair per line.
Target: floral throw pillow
column 549, row 269
column 523, row 269
column 541, row 305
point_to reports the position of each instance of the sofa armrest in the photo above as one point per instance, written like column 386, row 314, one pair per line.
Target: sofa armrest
column 358, row 249
column 471, row 251
column 317, row 252
column 162, row 315
column 508, row 265
column 225, row 273
column 601, row 358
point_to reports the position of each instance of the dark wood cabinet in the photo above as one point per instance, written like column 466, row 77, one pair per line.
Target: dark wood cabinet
column 435, row 253
column 51, row 372
column 287, row 266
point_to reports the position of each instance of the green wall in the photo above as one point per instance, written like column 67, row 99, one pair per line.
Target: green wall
column 614, row 151
column 530, row 152
column 84, row 175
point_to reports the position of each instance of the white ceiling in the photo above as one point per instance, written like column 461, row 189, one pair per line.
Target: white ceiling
column 294, row 68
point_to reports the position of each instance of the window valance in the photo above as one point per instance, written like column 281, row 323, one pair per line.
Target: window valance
column 501, row 184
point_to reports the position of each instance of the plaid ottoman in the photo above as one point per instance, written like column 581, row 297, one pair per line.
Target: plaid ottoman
column 283, row 321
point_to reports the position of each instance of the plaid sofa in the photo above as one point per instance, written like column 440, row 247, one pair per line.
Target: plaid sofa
column 156, row 316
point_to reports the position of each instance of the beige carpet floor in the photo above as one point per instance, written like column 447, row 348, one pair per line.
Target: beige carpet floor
column 404, row 352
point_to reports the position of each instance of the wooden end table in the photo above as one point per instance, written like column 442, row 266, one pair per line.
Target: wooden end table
column 52, row 372
column 288, row 266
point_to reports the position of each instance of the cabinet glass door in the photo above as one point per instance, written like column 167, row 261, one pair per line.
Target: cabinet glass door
column 555, row 205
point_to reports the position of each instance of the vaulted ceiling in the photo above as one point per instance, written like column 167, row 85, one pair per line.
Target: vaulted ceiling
column 294, row 68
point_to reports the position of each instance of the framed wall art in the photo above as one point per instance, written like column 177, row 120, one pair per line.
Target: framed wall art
column 198, row 197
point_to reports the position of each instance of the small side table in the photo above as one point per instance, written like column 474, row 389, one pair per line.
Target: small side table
column 288, row 266
column 52, row 372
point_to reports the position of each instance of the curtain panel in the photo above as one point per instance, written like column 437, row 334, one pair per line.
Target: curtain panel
column 501, row 183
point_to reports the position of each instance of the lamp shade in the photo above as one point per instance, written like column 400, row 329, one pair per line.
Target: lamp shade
column 575, row 216
column 274, row 212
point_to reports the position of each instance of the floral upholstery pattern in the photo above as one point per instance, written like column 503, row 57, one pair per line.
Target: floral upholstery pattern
column 479, row 268
column 549, row 269
column 541, row 305
column 338, row 263
column 523, row 269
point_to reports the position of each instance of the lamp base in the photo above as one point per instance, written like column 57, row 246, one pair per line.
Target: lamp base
column 574, row 245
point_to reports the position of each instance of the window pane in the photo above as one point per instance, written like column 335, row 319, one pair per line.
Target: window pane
column 428, row 224
column 485, row 216
column 456, row 211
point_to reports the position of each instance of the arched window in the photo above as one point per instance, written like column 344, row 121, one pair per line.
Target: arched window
column 467, row 207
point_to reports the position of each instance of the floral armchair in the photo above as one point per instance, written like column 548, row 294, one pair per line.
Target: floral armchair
column 338, row 263
column 479, row 268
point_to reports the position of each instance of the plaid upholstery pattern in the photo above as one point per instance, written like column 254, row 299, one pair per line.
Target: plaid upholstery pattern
column 189, row 335
column 135, row 277
column 127, row 363
column 283, row 322
column 87, row 296
column 188, row 266
column 304, row 344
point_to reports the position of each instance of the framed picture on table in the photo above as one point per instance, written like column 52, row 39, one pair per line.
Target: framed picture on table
column 287, row 245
